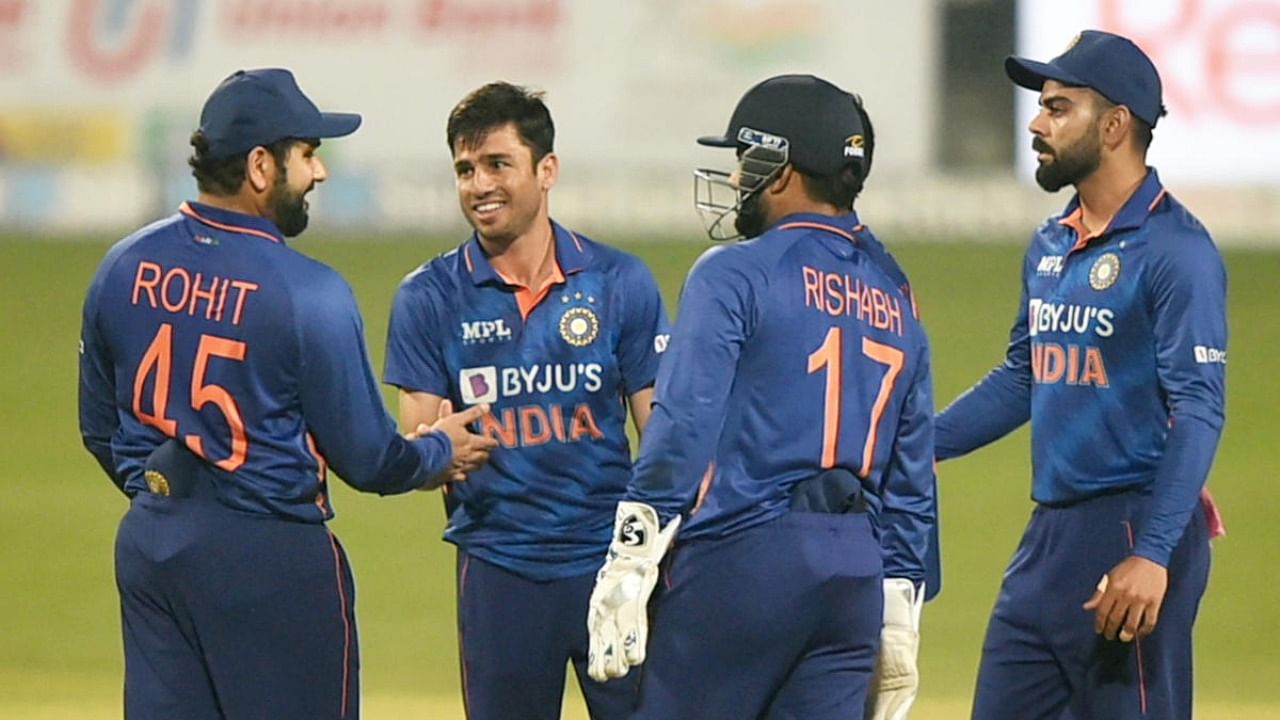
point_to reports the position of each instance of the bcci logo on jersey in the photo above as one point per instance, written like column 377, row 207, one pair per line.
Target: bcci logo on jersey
column 483, row 331
column 579, row 326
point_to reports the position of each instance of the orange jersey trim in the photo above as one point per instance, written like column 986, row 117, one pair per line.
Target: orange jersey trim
column 819, row 226
column 1075, row 221
column 186, row 209
column 526, row 297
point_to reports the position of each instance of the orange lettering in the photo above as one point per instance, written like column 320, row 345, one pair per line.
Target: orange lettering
column 1053, row 365
column 529, row 415
column 557, row 421
column 148, row 284
column 835, row 298
column 222, row 299
column 812, row 291
column 168, row 283
column 895, row 315
column 504, row 432
column 197, row 295
column 584, row 423
column 245, row 287
column 1094, row 371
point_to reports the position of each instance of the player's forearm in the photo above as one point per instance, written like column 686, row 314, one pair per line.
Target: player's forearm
column 100, row 448
column 667, row 475
column 991, row 409
column 905, row 539
column 1188, row 455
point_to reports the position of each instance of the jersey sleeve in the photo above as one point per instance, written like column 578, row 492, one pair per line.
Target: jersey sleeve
column 415, row 357
column 1188, row 301
column 717, row 316
column 97, row 392
column 998, row 404
column 909, row 508
column 644, row 327
column 342, row 405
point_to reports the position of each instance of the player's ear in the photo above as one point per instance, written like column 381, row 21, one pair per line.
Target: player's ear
column 548, row 171
column 260, row 169
column 785, row 177
column 1117, row 124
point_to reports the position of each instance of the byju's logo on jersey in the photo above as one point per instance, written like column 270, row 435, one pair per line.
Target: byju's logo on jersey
column 484, row 331
column 1210, row 355
column 479, row 385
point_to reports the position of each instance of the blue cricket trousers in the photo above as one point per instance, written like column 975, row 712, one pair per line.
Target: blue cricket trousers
column 1041, row 657
column 231, row 615
column 516, row 636
column 779, row 621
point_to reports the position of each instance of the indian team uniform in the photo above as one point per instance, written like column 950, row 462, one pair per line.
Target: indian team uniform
column 1118, row 358
column 797, row 356
column 221, row 374
column 556, row 367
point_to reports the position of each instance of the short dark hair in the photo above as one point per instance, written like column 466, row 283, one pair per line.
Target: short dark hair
column 842, row 188
column 496, row 104
column 1141, row 129
column 224, row 175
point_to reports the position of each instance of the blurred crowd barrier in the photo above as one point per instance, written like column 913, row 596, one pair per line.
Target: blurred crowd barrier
column 98, row 99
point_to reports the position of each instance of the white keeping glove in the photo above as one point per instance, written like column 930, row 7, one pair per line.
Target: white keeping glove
column 896, row 679
column 617, row 618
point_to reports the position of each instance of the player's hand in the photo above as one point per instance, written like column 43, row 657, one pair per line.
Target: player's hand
column 470, row 450
column 1126, row 603
column 896, row 679
column 618, row 615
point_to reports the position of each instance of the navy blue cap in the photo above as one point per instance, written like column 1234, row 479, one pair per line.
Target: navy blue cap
column 821, row 123
column 258, row 107
column 1107, row 63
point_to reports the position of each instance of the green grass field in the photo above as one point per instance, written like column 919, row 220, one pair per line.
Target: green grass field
column 59, row 643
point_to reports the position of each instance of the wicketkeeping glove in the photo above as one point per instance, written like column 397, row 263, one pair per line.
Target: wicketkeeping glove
column 896, row 679
column 617, row 618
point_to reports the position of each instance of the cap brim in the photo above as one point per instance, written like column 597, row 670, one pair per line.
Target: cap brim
column 717, row 141
column 334, row 125
column 1031, row 74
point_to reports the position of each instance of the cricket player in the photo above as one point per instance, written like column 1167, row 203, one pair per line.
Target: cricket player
column 560, row 336
column 791, row 437
column 222, row 373
column 1117, row 356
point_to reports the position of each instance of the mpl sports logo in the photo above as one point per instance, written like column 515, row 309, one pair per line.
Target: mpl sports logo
column 484, row 331
column 1049, row 266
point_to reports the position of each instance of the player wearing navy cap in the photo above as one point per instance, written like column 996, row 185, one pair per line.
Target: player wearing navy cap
column 791, row 445
column 561, row 335
column 222, row 373
column 1117, row 356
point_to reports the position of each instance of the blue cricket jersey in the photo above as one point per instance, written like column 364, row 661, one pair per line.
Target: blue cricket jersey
column 556, row 370
column 1118, row 357
column 794, row 352
column 207, row 327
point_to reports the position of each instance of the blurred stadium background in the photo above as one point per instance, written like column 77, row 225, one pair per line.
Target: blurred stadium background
column 98, row 97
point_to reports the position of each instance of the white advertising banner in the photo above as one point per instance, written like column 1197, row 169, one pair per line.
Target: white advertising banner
column 101, row 95
column 1219, row 62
